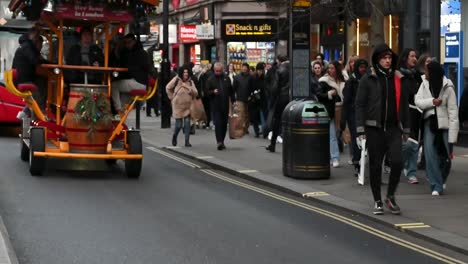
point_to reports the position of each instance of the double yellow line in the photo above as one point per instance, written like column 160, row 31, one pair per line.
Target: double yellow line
column 409, row 245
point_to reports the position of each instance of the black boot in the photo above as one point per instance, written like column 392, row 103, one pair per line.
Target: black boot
column 187, row 143
column 271, row 148
column 174, row 140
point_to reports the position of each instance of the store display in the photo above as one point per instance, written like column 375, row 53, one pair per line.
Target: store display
column 250, row 52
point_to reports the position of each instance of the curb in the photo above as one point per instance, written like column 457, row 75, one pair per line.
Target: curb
column 7, row 253
column 432, row 235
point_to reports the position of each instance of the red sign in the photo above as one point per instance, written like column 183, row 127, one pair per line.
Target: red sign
column 89, row 12
column 175, row 4
column 188, row 33
column 190, row 2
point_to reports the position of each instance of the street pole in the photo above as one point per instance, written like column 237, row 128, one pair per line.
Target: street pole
column 166, row 110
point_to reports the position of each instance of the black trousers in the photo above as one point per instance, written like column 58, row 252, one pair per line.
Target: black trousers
column 207, row 106
column 276, row 127
column 379, row 143
column 220, row 120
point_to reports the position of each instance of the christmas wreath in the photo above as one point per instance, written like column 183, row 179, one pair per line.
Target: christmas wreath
column 93, row 109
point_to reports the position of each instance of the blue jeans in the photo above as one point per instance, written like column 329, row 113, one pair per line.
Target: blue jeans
column 433, row 160
column 183, row 123
column 410, row 151
column 334, row 150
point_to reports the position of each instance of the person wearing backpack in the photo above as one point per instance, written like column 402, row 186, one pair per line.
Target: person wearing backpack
column 436, row 97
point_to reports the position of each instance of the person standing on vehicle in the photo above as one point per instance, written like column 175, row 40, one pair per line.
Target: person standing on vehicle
column 382, row 116
column 409, row 82
column 85, row 53
column 280, row 96
column 436, row 96
column 25, row 61
column 220, row 91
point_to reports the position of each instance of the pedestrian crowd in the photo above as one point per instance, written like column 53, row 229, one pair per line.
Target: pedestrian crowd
column 399, row 105
column 404, row 107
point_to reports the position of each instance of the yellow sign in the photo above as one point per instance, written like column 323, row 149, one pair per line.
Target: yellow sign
column 301, row 3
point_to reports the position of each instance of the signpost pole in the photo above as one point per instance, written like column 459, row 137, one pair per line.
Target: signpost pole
column 299, row 48
column 166, row 110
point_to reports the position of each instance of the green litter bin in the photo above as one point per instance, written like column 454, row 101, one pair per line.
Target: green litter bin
column 306, row 140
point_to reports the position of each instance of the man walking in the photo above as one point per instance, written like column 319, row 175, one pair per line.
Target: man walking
column 220, row 92
column 280, row 94
column 243, row 88
column 382, row 117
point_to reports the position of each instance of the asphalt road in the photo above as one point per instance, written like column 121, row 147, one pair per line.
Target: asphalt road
column 172, row 214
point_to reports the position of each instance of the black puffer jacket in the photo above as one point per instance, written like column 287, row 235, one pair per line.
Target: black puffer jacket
column 74, row 58
column 350, row 92
column 243, row 86
column 283, row 80
column 25, row 61
column 409, row 82
column 137, row 62
column 373, row 97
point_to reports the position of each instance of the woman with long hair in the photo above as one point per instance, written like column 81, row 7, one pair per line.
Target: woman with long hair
column 181, row 91
column 330, row 93
column 436, row 96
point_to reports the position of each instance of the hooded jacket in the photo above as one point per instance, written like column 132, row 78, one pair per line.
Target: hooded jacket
column 25, row 60
column 350, row 92
column 373, row 98
column 447, row 112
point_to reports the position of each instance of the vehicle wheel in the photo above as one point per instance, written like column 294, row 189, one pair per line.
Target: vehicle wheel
column 36, row 143
column 24, row 150
column 133, row 166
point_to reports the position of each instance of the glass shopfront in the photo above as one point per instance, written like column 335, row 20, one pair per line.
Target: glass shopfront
column 249, row 41
column 250, row 52
column 359, row 35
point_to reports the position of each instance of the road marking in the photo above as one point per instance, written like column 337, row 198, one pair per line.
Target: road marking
column 205, row 157
column 314, row 194
column 247, row 171
column 337, row 217
column 188, row 163
column 172, row 147
column 411, row 226
column 351, row 222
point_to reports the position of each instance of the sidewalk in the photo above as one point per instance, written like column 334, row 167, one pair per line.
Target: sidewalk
column 446, row 215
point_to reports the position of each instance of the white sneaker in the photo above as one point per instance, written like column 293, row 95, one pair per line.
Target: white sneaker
column 21, row 115
column 435, row 193
column 279, row 140
column 335, row 164
column 444, row 186
column 350, row 162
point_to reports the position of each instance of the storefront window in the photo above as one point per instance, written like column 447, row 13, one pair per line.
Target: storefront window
column 250, row 52
column 359, row 34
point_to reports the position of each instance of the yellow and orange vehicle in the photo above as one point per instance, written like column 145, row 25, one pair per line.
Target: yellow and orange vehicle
column 82, row 127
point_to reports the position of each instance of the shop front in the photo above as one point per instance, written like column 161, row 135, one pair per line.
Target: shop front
column 249, row 41
column 188, row 36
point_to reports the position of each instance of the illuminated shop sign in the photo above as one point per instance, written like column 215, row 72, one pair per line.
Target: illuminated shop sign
column 238, row 29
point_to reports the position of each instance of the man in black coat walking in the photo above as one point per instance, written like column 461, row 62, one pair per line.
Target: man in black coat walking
column 220, row 91
column 280, row 96
column 382, row 117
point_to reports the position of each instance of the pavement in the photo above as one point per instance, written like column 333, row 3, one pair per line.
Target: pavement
column 440, row 220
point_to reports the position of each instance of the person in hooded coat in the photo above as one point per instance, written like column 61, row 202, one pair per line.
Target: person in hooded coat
column 436, row 96
column 349, row 113
column 382, row 117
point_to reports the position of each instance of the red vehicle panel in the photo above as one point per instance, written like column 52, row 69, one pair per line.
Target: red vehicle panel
column 10, row 105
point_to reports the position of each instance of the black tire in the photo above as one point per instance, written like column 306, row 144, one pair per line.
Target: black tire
column 135, row 146
column 24, row 150
column 36, row 143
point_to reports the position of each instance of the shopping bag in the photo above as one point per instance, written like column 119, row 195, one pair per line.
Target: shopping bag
column 237, row 121
column 362, row 162
column 346, row 136
column 197, row 111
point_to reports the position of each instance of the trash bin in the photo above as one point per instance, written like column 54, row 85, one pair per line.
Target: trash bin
column 306, row 142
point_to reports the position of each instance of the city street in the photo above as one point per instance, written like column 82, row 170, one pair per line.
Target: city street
column 179, row 214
